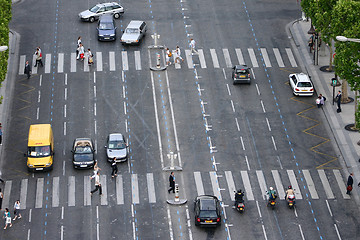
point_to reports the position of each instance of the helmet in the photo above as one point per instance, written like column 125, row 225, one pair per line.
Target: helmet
column 271, row 188
column 239, row 191
column 290, row 187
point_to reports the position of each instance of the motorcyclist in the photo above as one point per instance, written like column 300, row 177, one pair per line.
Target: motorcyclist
column 239, row 197
column 289, row 191
column 272, row 194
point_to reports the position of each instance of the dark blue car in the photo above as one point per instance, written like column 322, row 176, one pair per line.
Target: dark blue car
column 106, row 28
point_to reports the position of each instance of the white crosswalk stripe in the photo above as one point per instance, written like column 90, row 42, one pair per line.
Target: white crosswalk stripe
column 39, row 193
column 7, row 192
column 55, row 192
column 231, row 184
column 23, row 193
column 87, row 189
column 291, row 57
column 278, row 184
column 71, row 191
column 73, row 62
column 151, row 187
column 99, row 61
column 253, row 58
column 247, row 185
column 135, row 189
column 294, row 184
column 310, row 184
column 22, row 64
column 215, row 185
column 278, row 57
column 137, row 60
column 214, row 58
column 227, row 57
column 189, row 59
column 119, row 190
column 265, row 57
column 34, row 69
column 112, row 61
column 262, row 183
column 60, row 62
column 341, row 183
column 202, row 58
column 239, row 56
column 199, row 184
column 326, row 184
column 47, row 63
column 125, row 63
column 103, row 200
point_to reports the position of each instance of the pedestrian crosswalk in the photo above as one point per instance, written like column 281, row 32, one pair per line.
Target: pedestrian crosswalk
column 132, row 60
column 34, row 193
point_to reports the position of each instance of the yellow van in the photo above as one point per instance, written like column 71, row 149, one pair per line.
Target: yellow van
column 40, row 150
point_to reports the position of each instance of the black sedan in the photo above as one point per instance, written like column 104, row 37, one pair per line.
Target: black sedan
column 83, row 153
column 207, row 211
column 241, row 74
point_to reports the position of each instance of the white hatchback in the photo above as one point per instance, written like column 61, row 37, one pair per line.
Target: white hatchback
column 301, row 84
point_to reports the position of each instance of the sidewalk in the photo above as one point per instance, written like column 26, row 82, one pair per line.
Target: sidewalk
column 345, row 142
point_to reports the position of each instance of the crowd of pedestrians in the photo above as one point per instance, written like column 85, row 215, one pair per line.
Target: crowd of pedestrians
column 175, row 55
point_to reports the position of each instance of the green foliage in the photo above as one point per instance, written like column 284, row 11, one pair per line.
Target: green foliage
column 5, row 17
column 357, row 116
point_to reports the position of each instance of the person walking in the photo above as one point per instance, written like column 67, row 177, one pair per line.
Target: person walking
column 172, row 182
column 78, row 45
column 114, row 168
column 178, row 55
column 1, row 199
column 7, row 217
column 38, row 57
column 97, row 184
column 96, row 168
column 168, row 56
column 17, row 213
column 338, row 101
column 1, row 134
column 27, row 69
column 322, row 99
column 81, row 52
column 349, row 184
column 193, row 47
column 90, row 57
column 318, row 102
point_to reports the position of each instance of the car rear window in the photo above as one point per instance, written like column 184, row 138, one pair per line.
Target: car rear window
column 208, row 204
column 132, row 30
column 304, row 84
column 208, row 214
column 241, row 71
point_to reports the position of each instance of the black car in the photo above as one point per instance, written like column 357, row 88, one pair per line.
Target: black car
column 241, row 74
column 106, row 28
column 207, row 211
column 83, row 153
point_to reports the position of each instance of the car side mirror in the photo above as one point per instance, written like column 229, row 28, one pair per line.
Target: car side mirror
column 105, row 146
column 72, row 151
column 97, row 28
column 115, row 28
column 123, row 31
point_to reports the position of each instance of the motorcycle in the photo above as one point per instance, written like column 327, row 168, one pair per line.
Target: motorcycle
column 291, row 201
column 239, row 204
column 272, row 203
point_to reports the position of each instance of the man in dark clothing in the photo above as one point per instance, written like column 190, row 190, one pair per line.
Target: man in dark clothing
column 114, row 168
column 338, row 101
column 349, row 184
column 172, row 182
column 27, row 69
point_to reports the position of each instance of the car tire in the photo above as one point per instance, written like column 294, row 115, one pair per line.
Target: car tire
column 116, row 15
column 91, row 19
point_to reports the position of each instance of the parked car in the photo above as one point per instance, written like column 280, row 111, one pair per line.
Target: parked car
column 106, row 28
column 301, row 84
column 116, row 147
column 241, row 74
column 134, row 32
column 112, row 8
column 207, row 211
column 83, row 153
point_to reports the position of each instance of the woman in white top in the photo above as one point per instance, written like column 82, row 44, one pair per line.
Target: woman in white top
column 17, row 213
column 81, row 52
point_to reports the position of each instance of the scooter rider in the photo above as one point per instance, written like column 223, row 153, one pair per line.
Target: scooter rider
column 239, row 195
column 272, row 194
column 290, row 191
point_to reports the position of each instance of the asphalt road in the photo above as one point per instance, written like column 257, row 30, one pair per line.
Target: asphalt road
column 225, row 136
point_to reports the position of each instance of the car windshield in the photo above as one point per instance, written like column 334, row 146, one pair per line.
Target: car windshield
column 243, row 71
column 94, row 9
column 117, row 145
column 106, row 26
column 207, row 214
column 83, row 150
column 132, row 30
column 304, row 84
column 43, row 151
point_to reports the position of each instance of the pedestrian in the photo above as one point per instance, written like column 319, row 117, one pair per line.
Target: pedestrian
column 172, row 182
column 96, row 168
column 114, row 168
column 349, row 184
column 338, row 101
column 322, row 99
column 78, row 45
column 81, row 52
column 193, row 46
column 90, row 57
column 38, row 57
column 178, row 55
column 0, row 136
column 1, row 199
column 17, row 213
column 27, row 69
column 7, row 217
column 97, row 184
column 318, row 102
column 168, row 56
column 311, row 42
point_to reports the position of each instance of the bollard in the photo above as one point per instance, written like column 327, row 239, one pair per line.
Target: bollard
column 177, row 200
column 158, row 60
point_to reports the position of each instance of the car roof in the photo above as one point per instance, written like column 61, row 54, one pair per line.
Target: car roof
column 241, row 67
column 302, row 77
column 107, row 4
column 207, row 202
column 106, row 18
column 134, row 24
column 115, row 136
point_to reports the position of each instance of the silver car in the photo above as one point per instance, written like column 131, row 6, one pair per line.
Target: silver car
column 116, row 147
column 96, row 11
column 134, row 32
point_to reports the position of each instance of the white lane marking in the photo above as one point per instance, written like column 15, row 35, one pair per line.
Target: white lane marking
column 99, row 61
column 199, row 184
column 65, row 111
column 62, row 233
column 171, row 233
column 263, row 228
column 87, row 189
column 65, row 79
column 278, row 57
column 231, row 184
column 232, row 105
column 239, row 56
column 47, row 63
column 55, row 192
column 214, row 58
column 262, row 183
column 151, row 187
column 301, row 232
column 23, row 193
column 125, row 64
column 291, row 57
column 341, row 183
column 215, row 185
column 28, row 234
column 73, row 62
column 242, row 143
column 71, row 191
column 247, row 185
column 328, row 206
column 237, row 124
column 22, row 64
column 103, row 200
column 33, row 69
column 119, row 190
column 112, row 61
column 310, row 184
column 202, row 58
column 65, row 94
column 273, row 141
column 267, row 121
column 39, row 192
column 95, row 109
column 253, row 57
column 224, row 73
column 189, row 59
column 60, row 62
column 62, row 212
column 265, row 57
column 63, row 168
column 37, row 113
column 326, row 184
column 262, row 105
column 124, row 107
column 337, row 231
column 137, row 60
column 64, row 128
column 227, row 57
column 278, row 184
column 227, row 86
column 257, row 89
column 30, row 214
column 294, row 184
column 135, row 189
column 247, row 162
column 258, row 208
column 97, row 224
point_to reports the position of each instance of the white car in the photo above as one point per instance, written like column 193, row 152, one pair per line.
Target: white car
column 96, row 11
column 301, row 84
